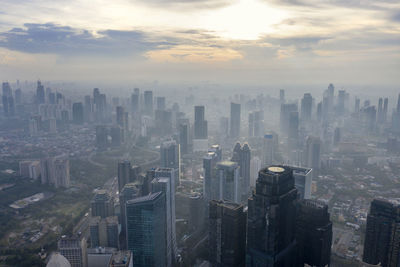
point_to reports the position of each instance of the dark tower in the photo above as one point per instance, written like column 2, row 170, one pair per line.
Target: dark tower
column 200, row 124
column 313, row 233
column 235, row 120
column 271, row 219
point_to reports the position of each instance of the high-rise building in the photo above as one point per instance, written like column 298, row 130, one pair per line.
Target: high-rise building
column 210, row 160
column 385, row 109
column 380, row 111
column 228, row 185
column 302, row 181
column 128, row 192
column 337, row 136
column 268, row 151
column 8, row 100
column 161, row 103
column 293, row 129
column 357, row 105
column 170, row 157
column 135, row 103
column 148, row 103
column 382, row 237
column 164, row 185
column 74, row 250
column 102, row 204
column 270, row 224
column 312, row 157
column 227, row 234
column 127, row 173
column 306, row 107
column 200, row 124
column 120, row 113
column 340, row 109
column 184, row 137
column 104, row 232
column 255, row 167
column 242, row 155
column 286, row 109
column 61, row 172
column 77, row 113
column 313, row 233
column 235, row 121
column 40, row 95
column 146, row 230
column 282, row 96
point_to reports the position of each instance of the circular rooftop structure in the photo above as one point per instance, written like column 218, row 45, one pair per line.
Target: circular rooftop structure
column 276, row 169
column 58, row 260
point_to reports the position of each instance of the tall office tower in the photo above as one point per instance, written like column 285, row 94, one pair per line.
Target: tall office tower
column 312, row 157
column 77, row 113
column 124, row 174
column 104, row 232
column 18, row 96
column 102, row 204
column 209, row 163
column 160, row 100
column 74, row 250
column 227, row 234
column 148, row 103
column 268, row 152
column 163, row 122
column 282, row 96
column 88, row 108
column 162, row 174
column 306, row 107
column 385, row 109
column 270, row 220
column 120, row 116
column 8, row 100
column 337, row 136
column 227, row 177
column 286, row 109
column 200, row 124
column 242, row 156
column 256, row 123
column 147, row 246
column 255, row 166
column 357, row 105
column 184, row 137
column 380, row 111
column 170, row 157
column 128, row 192
column 235, row 121
column 96, row 95
column 100, row 102
column 329, row 94
column 340, row 109
column 61, row 172
column 302, row 181
column 293, row 129
column 164, row 185
column 135, row 102
column 40, row 96
column 382, row 238
column 313, row 233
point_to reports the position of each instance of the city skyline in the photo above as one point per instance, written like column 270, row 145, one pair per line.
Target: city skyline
column 247, row 42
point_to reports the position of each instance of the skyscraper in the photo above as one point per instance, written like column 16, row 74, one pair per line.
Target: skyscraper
column 77, row 113
column 8, row 100
column 227, row 234
column 270, row 225
column 313, row 233
column 135, row 103
column 104, row 232
column 293, row 129
column 146, row 230
column 268, row 151
column 127, row 173
column 161, row 103
column 102, row 204
column 382, row 237
column 306, row 107
column 286, row 109
column 148, row 103
column 184, row 134
column 313, row 153
column 170, row 157
column 235, row 121
column 385, row 109
column 40, row 95
column 164, row 185
column 74, row 250
column 209, row 163
column 302, row 181
column 200, row 124
column 228, row 187
column 242, row 155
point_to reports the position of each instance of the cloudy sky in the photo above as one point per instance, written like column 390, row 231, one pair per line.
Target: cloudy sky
column 248, row 41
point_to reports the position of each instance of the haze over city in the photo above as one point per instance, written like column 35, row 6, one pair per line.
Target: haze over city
column 199, row 133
